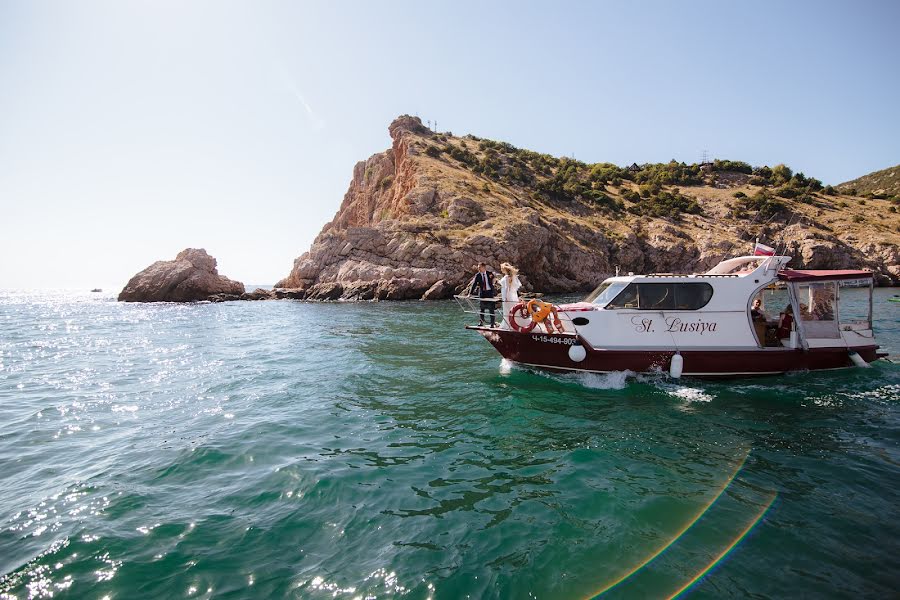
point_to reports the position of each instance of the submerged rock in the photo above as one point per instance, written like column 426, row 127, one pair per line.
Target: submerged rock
column 192, row 276
column 258, row 294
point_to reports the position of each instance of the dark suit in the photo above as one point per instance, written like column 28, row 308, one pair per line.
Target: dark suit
column 484, row 283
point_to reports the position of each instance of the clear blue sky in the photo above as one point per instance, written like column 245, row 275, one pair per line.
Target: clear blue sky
column 132, row 129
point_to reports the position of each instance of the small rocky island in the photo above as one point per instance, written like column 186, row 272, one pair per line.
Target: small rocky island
column 192, row 276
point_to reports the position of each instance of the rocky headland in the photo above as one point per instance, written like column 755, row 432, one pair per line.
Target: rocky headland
column 190, row 277
column 418, row 217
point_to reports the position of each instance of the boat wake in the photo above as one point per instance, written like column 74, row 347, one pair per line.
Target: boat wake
column 616, row 380
column 683, row 392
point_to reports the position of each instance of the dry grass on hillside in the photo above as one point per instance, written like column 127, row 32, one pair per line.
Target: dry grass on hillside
column 503, row 200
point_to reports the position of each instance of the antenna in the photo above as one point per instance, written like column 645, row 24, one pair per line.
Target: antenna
column 704, row 157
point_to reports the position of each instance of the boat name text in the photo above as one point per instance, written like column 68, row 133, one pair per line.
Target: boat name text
column 674, row 325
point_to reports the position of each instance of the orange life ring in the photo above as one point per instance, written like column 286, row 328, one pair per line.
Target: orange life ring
column 521, row 310
column 538, row 311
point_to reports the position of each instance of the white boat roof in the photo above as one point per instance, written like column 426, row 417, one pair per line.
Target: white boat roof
column 741, row 266
column 745, row 265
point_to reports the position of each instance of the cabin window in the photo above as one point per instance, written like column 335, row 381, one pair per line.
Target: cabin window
column 627, row 298
column 818, row 309
column 605, row 292
column 663, row 296
column 656, row 296
column 692, row 296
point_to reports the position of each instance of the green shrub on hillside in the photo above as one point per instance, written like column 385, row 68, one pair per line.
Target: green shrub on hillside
column 607, row 173
column 463, row 156
column 734, row 166
column 670, row 173
column 788, row 192
column 631, row 195
column 763, row 173
column 781, row 174
column 648, row 190
column 764, row 203
column 570, row 183
column 664, row 203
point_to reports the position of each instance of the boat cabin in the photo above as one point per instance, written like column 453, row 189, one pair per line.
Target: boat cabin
column 748, row 302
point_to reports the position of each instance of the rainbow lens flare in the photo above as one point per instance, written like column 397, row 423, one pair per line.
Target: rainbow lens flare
column 690, row 523
column 756, row 519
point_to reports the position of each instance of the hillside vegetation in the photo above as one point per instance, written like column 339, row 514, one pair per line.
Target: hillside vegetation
column 417, row 217
column 883, row 184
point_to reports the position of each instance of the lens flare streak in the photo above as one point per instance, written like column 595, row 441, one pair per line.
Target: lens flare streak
column 678, row 534
column 727, row 550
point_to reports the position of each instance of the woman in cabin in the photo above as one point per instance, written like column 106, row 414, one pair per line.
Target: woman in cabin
column 785, row 324
column 509, row 289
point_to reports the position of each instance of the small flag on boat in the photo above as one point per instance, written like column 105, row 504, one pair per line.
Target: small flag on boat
column 763, row 250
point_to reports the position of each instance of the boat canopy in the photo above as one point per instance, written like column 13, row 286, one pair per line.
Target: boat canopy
column 796, row 275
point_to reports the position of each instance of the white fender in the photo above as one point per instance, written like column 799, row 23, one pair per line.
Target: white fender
column 676, row 366
column 577, row 353
column 859, row 361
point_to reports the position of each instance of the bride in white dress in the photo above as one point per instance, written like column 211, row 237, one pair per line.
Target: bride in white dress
column 509, row 290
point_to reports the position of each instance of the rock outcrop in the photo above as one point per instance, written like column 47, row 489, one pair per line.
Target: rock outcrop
column 418, row 217
column 190, row 277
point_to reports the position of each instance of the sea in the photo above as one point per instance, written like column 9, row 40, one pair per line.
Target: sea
column 283, row 449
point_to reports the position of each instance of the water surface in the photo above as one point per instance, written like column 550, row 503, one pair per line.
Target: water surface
column 284, row 449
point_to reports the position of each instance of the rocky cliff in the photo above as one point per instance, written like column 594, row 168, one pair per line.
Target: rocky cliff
column 418, row 217
column 190, row 277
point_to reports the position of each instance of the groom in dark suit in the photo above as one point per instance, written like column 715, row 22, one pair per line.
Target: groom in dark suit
column 484, row 283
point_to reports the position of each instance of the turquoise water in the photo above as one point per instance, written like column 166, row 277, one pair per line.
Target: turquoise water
column 283, row 449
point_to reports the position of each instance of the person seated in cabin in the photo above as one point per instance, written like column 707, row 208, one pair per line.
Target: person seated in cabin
column 483, row 282
column 760, row 324
column 756, row 311
column 786, row 323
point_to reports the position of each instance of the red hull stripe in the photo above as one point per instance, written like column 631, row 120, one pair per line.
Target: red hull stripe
column 551, row 351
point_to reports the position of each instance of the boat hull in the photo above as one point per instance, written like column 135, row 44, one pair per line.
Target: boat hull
column 553, row 352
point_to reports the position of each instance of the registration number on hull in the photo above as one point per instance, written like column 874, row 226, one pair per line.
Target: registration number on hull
column 548, row 339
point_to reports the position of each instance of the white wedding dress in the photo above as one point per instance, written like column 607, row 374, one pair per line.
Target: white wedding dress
column 509, row 294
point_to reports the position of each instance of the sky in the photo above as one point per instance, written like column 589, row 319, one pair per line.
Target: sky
column 130, row 130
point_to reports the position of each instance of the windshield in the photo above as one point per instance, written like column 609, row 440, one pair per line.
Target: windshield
column 605, row 292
